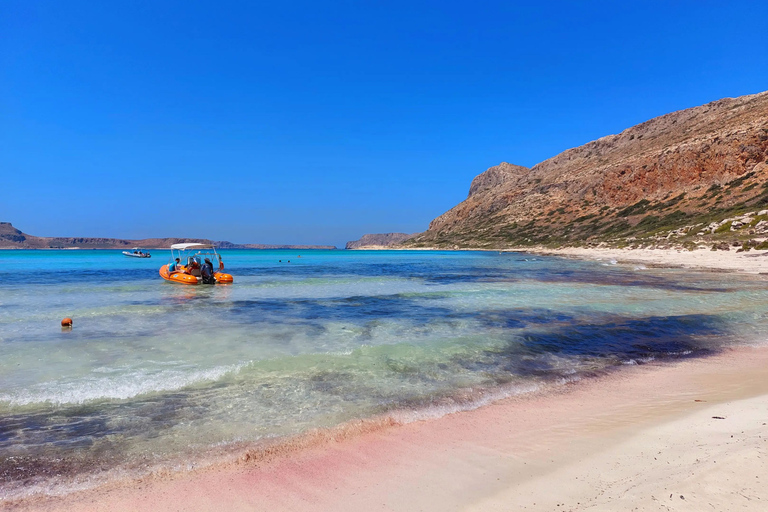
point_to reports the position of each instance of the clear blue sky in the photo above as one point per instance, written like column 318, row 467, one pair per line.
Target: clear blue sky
column 317, row 122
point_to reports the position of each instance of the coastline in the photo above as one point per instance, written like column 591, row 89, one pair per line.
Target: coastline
column 588, row 446
column 751, row 262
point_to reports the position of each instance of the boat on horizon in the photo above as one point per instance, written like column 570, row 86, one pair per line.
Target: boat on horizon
column 137, row 253
column 192, row 257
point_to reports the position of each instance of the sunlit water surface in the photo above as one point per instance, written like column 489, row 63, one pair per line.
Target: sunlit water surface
column 154, row 374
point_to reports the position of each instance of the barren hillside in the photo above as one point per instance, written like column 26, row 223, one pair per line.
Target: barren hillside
column 679, row 172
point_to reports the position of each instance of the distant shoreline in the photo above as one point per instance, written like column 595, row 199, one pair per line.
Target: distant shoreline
column 165, row 248
column 752, row 262
column 13, row 238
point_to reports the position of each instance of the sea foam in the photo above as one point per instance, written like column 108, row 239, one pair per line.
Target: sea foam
column 120, row 387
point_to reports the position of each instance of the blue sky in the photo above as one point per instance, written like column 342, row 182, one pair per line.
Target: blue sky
column 317, row 122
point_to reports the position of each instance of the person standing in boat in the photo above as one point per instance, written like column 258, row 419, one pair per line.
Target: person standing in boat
column 207, row 272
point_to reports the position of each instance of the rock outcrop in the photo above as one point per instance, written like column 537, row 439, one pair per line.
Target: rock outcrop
column 683, row 168
column 379, row 240
column 10, row 235
column 496, row 177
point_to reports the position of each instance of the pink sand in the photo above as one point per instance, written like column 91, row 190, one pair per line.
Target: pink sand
column 525, row 453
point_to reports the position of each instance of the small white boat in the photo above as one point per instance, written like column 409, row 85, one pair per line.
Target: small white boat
column 137, row 253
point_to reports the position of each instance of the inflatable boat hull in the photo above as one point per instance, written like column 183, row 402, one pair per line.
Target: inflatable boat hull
column 182, row 278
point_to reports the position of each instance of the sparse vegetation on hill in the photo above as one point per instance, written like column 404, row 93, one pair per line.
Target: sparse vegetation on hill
column 690, row 178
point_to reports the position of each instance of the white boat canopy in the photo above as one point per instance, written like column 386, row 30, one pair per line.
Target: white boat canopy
column 184, row 247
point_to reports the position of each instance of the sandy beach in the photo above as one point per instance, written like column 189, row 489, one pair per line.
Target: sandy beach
column 754, row 262
column 685, row 436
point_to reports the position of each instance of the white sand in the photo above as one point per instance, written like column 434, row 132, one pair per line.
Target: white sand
column 749, row 261
column 753, row 261
column 695, row 463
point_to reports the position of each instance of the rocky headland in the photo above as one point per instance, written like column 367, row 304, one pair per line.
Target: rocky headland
column 693, row 178
column 379, row 240
column 13, row 238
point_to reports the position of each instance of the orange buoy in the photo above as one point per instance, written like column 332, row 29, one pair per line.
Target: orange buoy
column 67, row 322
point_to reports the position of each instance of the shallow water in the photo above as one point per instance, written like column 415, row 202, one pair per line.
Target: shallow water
column 154, row 374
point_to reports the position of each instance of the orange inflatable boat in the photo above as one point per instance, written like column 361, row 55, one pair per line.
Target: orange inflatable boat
column 191, row 258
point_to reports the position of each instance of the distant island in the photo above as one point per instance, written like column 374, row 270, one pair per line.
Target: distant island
column 690, row 179
column 12, row 238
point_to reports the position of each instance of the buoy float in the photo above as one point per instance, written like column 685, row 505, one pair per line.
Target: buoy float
column 67, row 322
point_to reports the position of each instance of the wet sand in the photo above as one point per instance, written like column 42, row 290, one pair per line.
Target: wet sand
column 639, row 438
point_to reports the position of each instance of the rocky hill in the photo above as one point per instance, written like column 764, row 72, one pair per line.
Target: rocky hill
column 12, row 238
column 672, row 176
column 379, row 240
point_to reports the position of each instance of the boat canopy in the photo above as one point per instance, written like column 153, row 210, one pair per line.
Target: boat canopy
column 184, row 247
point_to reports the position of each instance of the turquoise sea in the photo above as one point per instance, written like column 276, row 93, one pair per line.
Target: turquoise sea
column 158, row 375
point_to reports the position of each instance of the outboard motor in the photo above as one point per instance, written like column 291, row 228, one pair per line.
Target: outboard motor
column 206, row 272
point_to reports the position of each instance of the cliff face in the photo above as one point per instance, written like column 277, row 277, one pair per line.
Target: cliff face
column 378, row 240
column 10, row 235
column 496, row 177
column 677, row 169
